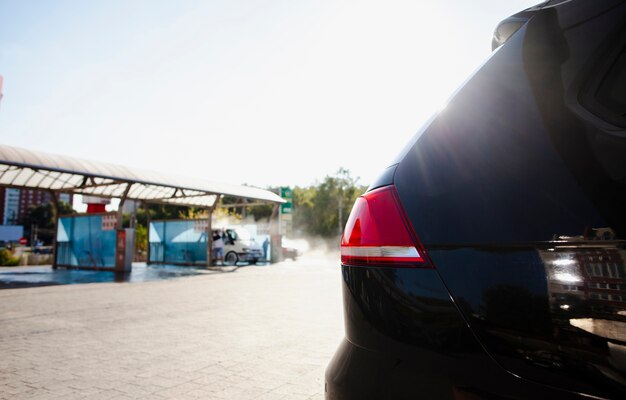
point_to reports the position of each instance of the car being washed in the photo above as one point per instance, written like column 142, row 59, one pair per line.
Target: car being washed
column 239, row 245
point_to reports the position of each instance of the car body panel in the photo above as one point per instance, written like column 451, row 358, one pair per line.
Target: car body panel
column 521, row 208
column 427, row 353
column 517, row 192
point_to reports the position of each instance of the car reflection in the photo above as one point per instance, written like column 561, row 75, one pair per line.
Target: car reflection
column 587, row 299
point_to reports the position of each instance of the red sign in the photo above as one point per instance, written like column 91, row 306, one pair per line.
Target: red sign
column 109, row 222
column 23, row 241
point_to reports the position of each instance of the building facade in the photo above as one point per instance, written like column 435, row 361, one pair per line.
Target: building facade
column 14, row 203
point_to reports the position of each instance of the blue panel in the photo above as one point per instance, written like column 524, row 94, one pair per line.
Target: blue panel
column 179, row 241
column 83, row 243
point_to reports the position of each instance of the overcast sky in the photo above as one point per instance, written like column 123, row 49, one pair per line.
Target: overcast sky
column 272, row 92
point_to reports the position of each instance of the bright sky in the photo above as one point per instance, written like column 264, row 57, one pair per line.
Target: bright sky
column 272, row 92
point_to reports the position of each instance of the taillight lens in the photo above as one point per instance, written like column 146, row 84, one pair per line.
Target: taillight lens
column 379, row 233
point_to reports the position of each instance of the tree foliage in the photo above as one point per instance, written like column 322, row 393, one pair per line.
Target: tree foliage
column 7, row 259
column 141, row 238
column 317, row 208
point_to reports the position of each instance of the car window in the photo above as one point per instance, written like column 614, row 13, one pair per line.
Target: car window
column 611, row 94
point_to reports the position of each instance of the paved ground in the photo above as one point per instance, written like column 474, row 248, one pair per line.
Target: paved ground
column 32, row 276
column 257, row 333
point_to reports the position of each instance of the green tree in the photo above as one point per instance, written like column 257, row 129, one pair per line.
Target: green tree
column 164, row 211
column 7, row 259
column 261, row 211
column 141, row 238
column 323, row 209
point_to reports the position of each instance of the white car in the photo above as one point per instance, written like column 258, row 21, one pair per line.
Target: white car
column 239, row 246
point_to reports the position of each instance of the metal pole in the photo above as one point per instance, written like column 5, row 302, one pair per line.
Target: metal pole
column 133, row 217
column 274, row 229
column 272, row 220
column 148, row 221
column 121, row 249
column 209, row 237
column 209, row 232
column 120, row 209
column 55, row 244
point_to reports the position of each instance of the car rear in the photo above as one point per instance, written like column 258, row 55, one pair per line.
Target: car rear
column 489, row 260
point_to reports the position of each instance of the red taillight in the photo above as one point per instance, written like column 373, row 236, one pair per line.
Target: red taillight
column 378, row 233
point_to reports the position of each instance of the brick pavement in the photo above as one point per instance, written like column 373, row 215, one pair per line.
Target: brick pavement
column 258, row 333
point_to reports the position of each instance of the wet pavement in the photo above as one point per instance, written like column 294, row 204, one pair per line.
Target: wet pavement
column 260, row 332
column 32, row 276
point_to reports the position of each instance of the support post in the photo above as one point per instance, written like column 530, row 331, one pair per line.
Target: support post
column 209, row 238
column 209, row 232
column 120, row 209
column 274, row 229
column 124, row 245
column 55, row 244
column 133, row 217
column 146, row 209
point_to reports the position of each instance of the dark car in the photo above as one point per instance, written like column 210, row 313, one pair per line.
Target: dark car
column 290, row 253
column 488, row 262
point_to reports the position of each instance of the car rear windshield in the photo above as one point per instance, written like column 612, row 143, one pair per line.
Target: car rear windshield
column 612, row 91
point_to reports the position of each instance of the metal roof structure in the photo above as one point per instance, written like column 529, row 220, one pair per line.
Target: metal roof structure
column 25, row 168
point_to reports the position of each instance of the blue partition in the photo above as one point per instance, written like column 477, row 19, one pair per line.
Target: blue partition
column 86, row 241
column 178, row 242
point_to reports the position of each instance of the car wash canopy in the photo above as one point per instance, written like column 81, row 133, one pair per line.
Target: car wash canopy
column 23, row 168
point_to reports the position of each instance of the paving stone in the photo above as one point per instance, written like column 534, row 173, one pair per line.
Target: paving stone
column 263, row 333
